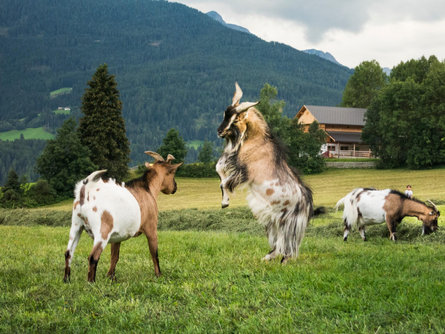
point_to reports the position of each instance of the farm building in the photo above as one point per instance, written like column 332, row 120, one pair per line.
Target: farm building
column 343, row 127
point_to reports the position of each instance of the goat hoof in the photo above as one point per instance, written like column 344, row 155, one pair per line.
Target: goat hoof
column 224, row 205
column 284, row 260
column 345, row 239
column 66, row 280
column 112, row 278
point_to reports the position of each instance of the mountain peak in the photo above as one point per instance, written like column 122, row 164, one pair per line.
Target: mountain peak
column 321, row 54
column 214, row 15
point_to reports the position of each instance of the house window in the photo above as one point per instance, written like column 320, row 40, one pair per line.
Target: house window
column 331, row 148
column 344, row 148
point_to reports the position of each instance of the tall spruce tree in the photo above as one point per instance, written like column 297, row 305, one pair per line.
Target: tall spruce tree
column 206, row 153
column 173, row 144
column 102, row 128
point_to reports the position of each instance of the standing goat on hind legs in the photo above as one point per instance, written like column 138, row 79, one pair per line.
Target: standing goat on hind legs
column 277, row 196
column 111, row 213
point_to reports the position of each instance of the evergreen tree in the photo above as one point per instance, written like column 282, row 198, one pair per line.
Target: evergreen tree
column 206, row 153
column 64, row 161
column 11, row 191
column 12, row 182
column 173, row 144
column 363, row 85
column 102, row 128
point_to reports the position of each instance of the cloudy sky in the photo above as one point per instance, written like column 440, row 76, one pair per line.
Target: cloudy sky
column 388, row 31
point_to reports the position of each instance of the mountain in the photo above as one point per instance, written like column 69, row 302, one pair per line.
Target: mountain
column 321, row 54
column 175, row 66
column 214, row 15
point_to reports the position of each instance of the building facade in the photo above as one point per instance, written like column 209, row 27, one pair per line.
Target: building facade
column 343, row 127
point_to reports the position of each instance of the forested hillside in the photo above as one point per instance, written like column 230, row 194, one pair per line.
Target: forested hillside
column 175, row 66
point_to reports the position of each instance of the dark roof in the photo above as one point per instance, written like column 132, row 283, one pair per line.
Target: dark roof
column 337, row 115
column 346, row 137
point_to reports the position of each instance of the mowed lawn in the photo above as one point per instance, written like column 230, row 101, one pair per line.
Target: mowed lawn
column 214, row 280
column 327, row 188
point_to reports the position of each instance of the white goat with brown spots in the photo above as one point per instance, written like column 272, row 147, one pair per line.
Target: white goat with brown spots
column 111, row 213
column 367, row 206
column 277, row 196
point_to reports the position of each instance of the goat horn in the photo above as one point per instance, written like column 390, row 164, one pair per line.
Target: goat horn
column 237, row 96
column 434, row 205
column 155, row 155
column 245, row 105
column 170, row 158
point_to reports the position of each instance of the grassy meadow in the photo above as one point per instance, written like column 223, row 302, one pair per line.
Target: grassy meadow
column 29, row 133
column 213, row 277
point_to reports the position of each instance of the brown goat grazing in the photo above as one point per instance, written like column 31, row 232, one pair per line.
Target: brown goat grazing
column 111, row 213
column 365, row 206
column 277, row 196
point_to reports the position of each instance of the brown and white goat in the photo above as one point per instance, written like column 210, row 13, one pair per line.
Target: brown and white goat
column 277, row 196
column 365, row 206
column 111, row 213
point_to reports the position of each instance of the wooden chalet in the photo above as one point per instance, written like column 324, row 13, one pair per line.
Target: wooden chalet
column 343, row 127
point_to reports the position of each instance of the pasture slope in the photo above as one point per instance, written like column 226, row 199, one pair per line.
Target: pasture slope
column 29, row 133
column 213, row 279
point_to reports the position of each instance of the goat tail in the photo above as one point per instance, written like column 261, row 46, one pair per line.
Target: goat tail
column 86, row 182
column 349, row 202
column 341, row 202
column 94, row 176
column 319, row 211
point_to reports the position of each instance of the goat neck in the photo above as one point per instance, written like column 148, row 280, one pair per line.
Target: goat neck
column 414, row 209
column 154, row 181
column 256, row 125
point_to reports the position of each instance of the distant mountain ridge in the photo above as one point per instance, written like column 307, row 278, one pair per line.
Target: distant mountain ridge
column 175, row 66
column 322, row 54
column 325, row 55
column 214, row 15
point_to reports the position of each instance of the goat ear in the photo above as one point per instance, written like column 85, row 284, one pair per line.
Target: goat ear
column 170, row 158
column 155, row 155
column 176, row 166
column 244, row 106
column 237, row 96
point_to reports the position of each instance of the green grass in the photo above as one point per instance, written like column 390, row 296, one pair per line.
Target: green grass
column 327, row 187
column 62, row 112
column 213, row 279
column 196, row 144
column 60, row 91
column 29, row 133
column 215, row 282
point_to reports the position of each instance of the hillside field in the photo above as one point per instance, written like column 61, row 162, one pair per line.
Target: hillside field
column 213, row 278
column 29, row 133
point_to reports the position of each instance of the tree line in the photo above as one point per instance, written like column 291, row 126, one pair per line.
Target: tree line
column 405, row 118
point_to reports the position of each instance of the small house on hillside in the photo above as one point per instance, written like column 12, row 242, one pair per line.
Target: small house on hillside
column 343, row 127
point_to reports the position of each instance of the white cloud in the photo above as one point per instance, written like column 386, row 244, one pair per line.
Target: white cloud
column 352, row 30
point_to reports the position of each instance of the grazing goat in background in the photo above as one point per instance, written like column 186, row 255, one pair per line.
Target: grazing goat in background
column 365, row 206
column 111, row 213
column 277, row 196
